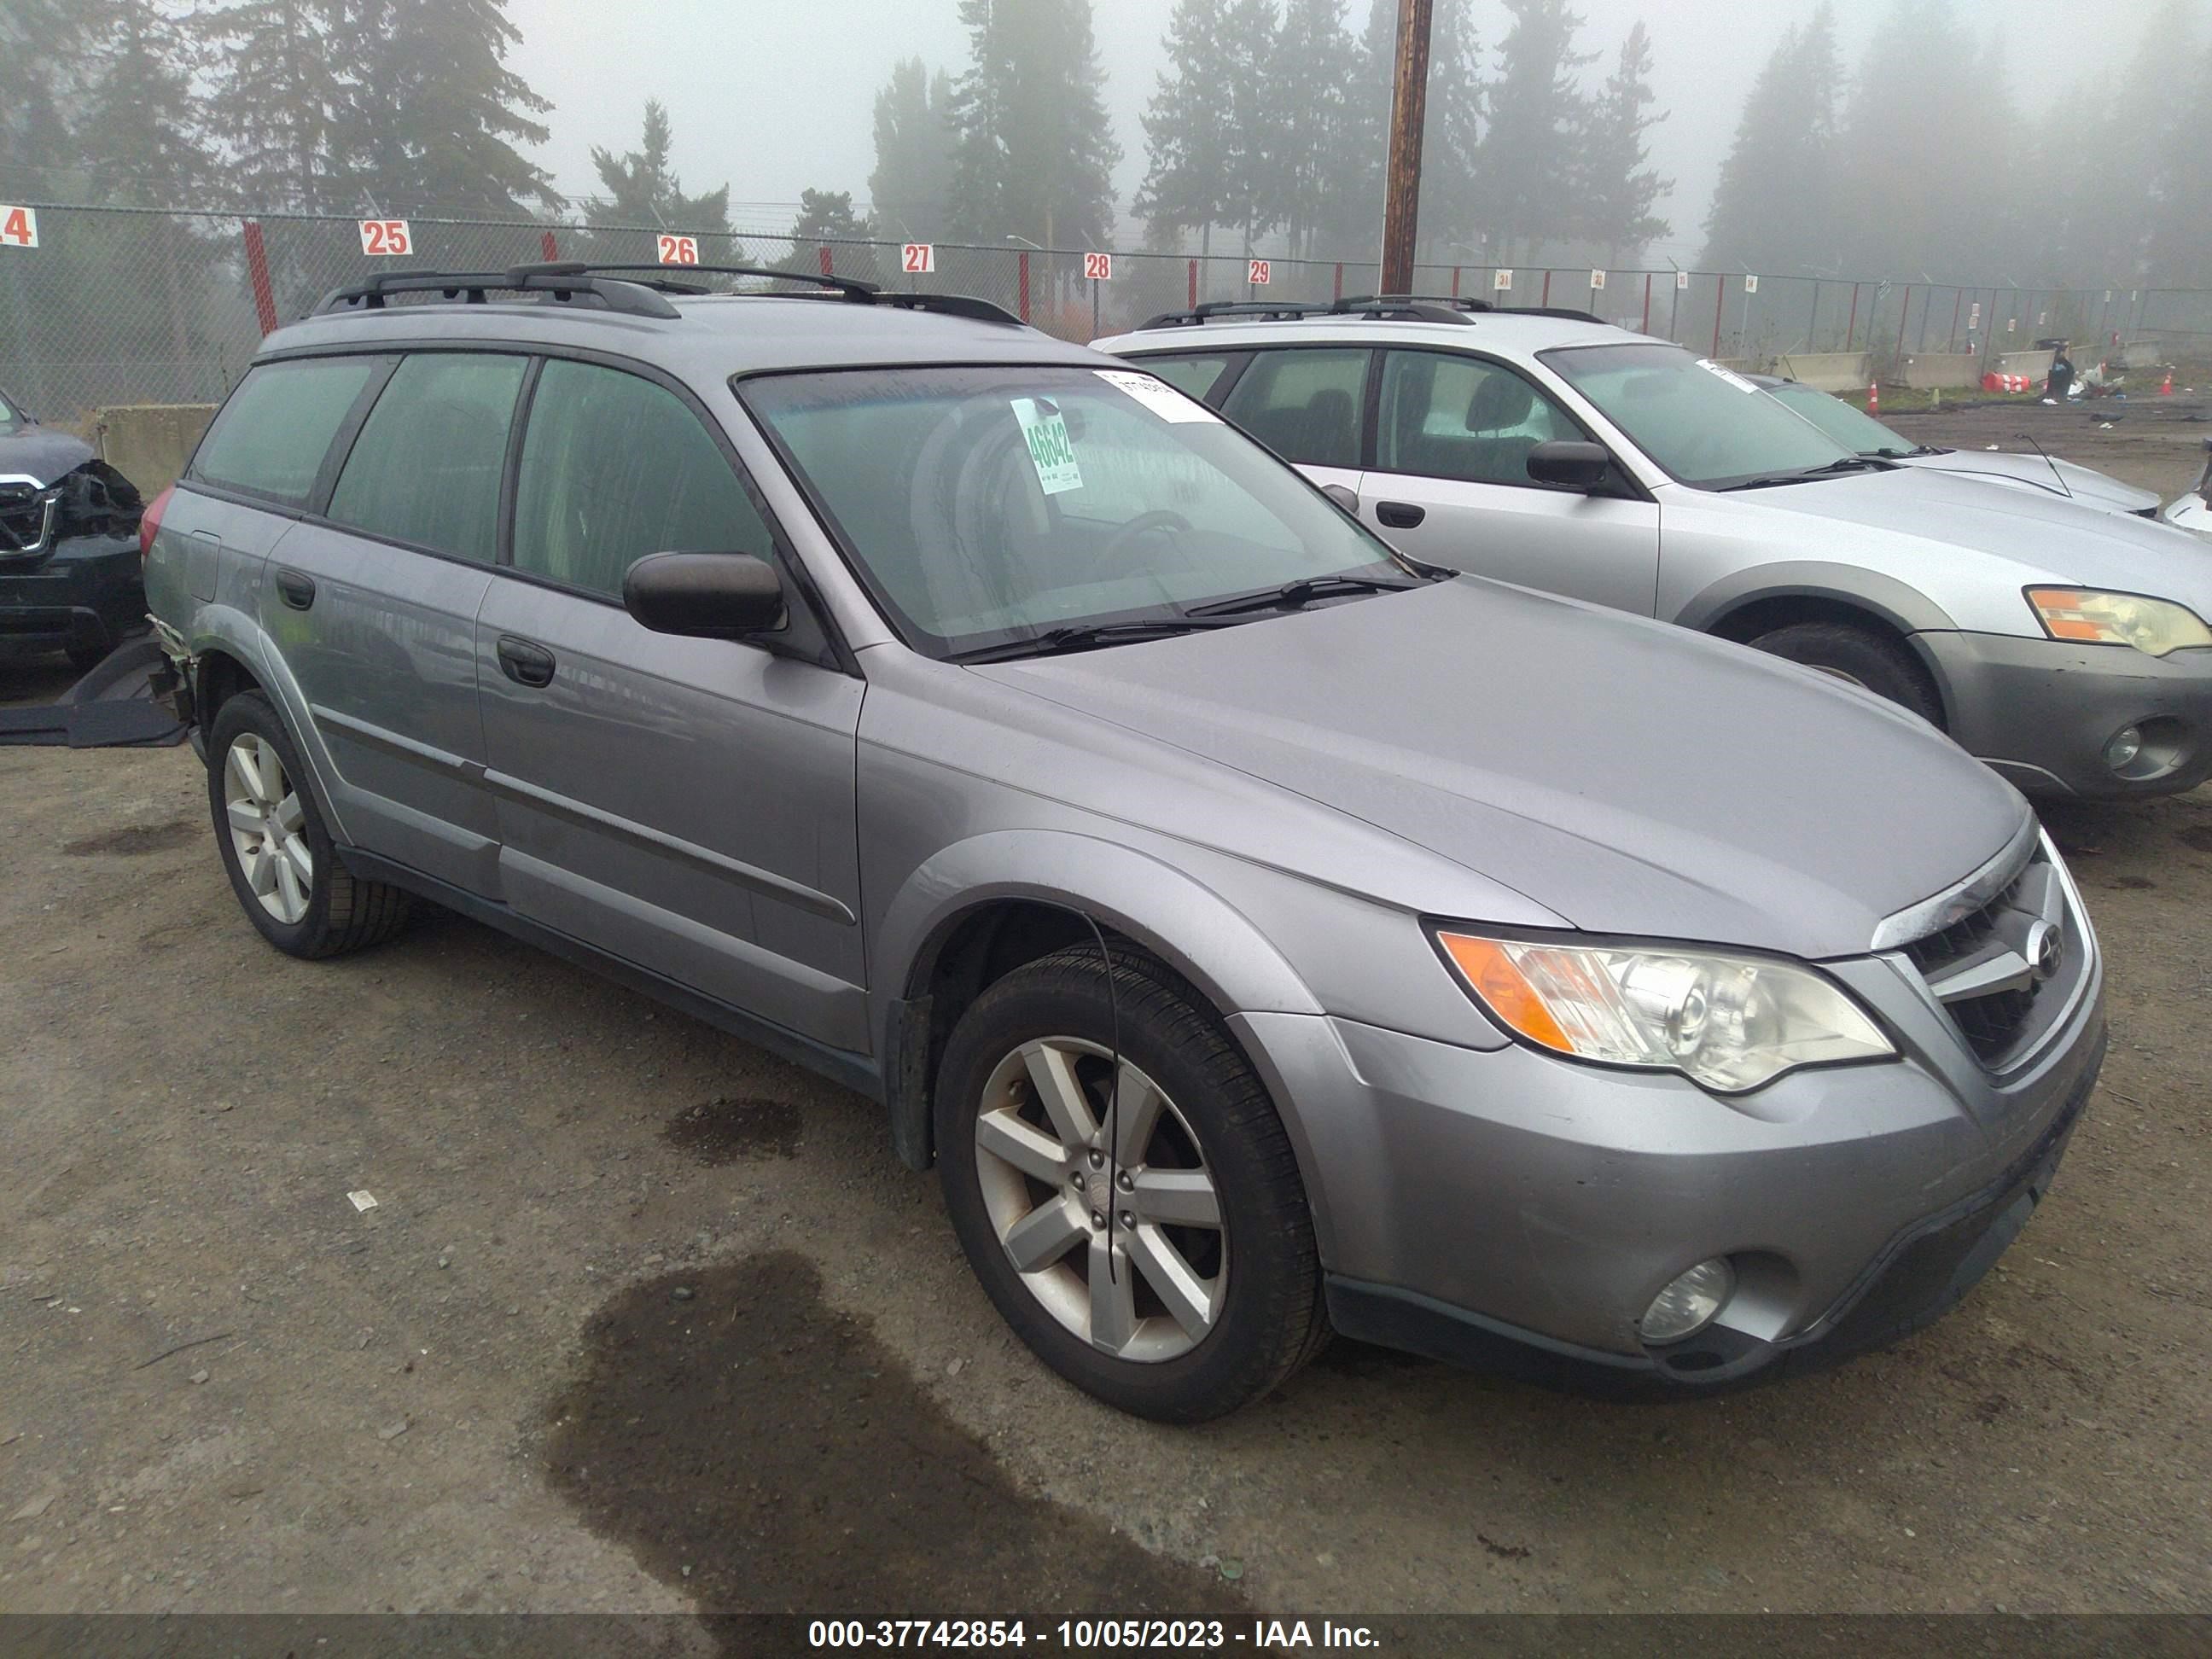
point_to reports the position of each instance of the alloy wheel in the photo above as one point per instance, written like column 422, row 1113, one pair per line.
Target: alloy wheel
column 268, row 827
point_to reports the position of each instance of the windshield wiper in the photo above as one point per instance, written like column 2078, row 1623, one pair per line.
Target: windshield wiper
column 1081, row 637
column 1290, row 596
column 1842, row 463
column 1900, row 455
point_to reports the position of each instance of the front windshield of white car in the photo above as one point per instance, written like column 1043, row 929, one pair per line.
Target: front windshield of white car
column 1702, row 423
column 1854, row 428
column 988, row 506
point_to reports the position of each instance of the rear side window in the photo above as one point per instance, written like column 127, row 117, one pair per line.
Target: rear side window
column 615, row 467
column 1195, row 377
column 426, row 468
column 271, row 436
column 1304, row 405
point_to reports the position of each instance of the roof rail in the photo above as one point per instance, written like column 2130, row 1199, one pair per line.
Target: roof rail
column 473, row 287
column 1568, row 313
column 669, row 279
column 1419, row 308
column 1258, row 309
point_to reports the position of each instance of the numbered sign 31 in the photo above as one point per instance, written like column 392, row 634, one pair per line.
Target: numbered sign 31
column 918, row 259
column 382, row 237
column 1502, row 282
column 676, row 250
column 19, row 227
column 1258, row 272
column 1098, row 267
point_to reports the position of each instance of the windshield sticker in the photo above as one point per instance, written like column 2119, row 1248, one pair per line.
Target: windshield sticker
column 1728, row 374
column 1044, row 429
column 1162, row 399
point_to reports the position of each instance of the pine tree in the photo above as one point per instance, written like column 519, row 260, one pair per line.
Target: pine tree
column 1452, row 158
column 915, row 142
column 1252, row 196
column 827, row 216
column 2181, row 245
column 279, row 100
column 1536, row 110
column 1306, row 87
column 44, row 65
column 641, row 189
column 1037, row 152
column 1187, row 124
column 1617, row 190
column 1773, row 208
column 138, row 122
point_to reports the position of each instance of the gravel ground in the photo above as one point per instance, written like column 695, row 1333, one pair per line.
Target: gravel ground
column 646, row 1321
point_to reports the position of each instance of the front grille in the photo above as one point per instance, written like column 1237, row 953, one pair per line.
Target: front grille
column 1977, row 969
column 1990, row 1024
column 22, row 519
column 1962, row 937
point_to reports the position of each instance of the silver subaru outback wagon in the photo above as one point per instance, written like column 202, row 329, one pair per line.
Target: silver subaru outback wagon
column 1263, row 932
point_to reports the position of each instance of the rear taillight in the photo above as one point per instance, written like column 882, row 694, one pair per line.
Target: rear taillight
column 149, row 523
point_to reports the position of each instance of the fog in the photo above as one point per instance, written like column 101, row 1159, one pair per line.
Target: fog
column 774, row 98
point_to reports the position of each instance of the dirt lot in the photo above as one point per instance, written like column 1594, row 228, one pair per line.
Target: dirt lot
column 644, row 1320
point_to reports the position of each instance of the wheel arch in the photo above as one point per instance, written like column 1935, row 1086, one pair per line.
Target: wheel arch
column 230, row 655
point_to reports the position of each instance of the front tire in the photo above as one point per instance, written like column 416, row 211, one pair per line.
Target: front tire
column 1861, row 657
column 279, row 857
column 1197, row 1289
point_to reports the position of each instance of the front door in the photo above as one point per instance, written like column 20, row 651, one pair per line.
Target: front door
column 1304, row 403
column 685, row 804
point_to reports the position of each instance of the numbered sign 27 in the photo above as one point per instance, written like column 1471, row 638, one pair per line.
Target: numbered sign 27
column 19, row 227
column 676, row 250
column 1258, row 272
column 380, row 238
column 918, row 259
column 1098, row 267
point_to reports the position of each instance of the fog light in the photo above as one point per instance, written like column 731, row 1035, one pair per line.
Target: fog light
column 2121, row 752
column 1688, row 1305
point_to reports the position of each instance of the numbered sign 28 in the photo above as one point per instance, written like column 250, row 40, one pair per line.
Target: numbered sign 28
column 382, row 237
column 1258, row 272
column 19, row 227
column 918, row 259
column 1502, row 282
column 1098, row 267
column 676, row 250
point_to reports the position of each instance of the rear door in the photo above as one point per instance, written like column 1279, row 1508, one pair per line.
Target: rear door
column 1449, row 483
column 685, row 804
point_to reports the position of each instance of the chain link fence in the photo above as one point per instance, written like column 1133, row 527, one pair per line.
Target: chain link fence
column 117, row 305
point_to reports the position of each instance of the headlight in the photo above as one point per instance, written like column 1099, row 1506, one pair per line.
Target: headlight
column 2155, row 626
column 1731, row 1023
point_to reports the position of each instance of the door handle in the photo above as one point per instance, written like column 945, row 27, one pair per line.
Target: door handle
column 295, row 588
column 524, row 663
column 1399, row 515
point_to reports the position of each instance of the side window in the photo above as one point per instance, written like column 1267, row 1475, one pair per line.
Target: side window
column 426, row 467
column 271, row 436
column 1195, row 377
column 1302, row 405
column 1452, row 417
column 615, row 467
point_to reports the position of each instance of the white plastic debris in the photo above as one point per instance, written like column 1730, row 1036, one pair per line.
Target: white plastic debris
column 363, row 1199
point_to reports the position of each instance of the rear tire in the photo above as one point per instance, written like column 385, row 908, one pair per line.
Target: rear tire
column 1873, row 661
column 1257, row 1316
column 279, row 859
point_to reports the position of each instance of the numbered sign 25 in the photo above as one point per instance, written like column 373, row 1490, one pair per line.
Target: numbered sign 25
column 381, row 237
column 1258, row 272
column 676, row 250
column 918, row 259
column 1098, row 267
column 19, row 227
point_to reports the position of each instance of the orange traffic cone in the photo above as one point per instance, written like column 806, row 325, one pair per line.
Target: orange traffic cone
column 1874, row 397
column 2167, row 390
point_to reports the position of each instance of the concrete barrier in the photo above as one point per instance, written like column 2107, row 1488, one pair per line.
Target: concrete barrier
column 1948, row 371
column 2141, row 354
column 148, row 443
column 2036, row 365
column 1830, row 371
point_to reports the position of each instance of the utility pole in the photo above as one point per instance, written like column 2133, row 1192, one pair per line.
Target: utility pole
column 1409, row 108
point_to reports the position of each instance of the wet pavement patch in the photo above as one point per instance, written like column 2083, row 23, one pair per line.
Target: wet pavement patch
column 134, row 840
column 2198, row 835
column 723, row 1131
column 763, row 1452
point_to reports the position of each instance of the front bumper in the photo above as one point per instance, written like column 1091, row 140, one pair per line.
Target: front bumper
column 1512, row 1210
column 2041, row 712
column 87, row 593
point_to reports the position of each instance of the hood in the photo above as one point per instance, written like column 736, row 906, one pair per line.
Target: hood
column 2072, row 482
column 1627, row 776
column 2191, row 513
column 42, row 453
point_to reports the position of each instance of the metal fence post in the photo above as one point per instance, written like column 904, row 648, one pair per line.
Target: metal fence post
column 1025, row 284
column 1455, row 282
column 550, row 247
column 1720, row 299
column 823, row 253
column 1337, row 292
column 1851, row 329
column 1193, row 283
column 1647, row 302
column 257, row 265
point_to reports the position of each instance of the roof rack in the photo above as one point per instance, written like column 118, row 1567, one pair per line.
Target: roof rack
column 1419, row 308
column 1567, row 313
column 669, row 279
column 1258, row 309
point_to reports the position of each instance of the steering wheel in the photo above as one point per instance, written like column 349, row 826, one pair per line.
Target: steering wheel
column 1143, row 524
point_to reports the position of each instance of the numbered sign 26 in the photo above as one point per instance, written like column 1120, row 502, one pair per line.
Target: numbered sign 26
column 1098, row 267
column 1502, row 282
column 1258, row 272
column 383, row 237
column 676, row 250
column 918, row 259
column 19, row 227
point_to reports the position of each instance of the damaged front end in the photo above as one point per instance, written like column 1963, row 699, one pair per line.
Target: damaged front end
column 69, row 576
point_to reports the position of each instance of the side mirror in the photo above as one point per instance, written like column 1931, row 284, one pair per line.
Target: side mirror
column 714, row 596
column 1572, row 463
column 1344, row 496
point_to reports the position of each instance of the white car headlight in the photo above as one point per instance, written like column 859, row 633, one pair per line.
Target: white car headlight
column 1730, row 1023
column 2153, row 626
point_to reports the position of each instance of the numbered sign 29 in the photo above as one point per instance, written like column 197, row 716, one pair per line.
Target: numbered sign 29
column 380, row 238
column 19, row 227
column 1258, row 272
column 1098, row 267
column 918, row 259
column 676, row 250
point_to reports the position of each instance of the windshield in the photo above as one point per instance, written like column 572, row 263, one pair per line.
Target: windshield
column 1854, row 428
column 985, row 505
column 1704, row 424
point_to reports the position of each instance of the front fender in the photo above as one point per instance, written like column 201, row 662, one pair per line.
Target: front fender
column 1903, row 606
